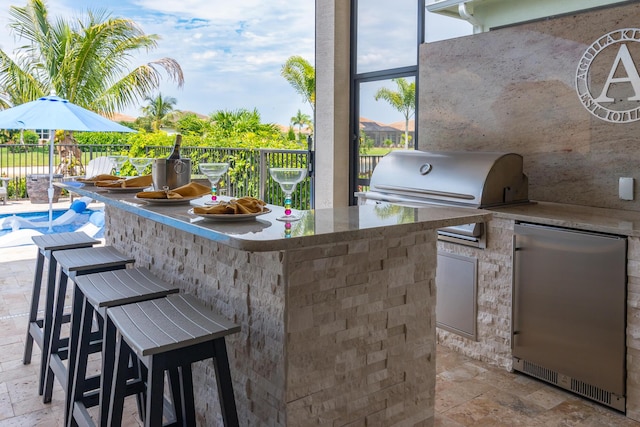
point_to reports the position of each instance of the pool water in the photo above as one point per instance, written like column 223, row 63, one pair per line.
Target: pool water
column 81, row 219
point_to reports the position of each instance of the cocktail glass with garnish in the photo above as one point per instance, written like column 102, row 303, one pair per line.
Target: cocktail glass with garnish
column 213, row 172
column 288, row 178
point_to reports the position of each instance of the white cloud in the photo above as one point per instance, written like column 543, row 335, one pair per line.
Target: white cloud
column 231, row 52
column 209, row 54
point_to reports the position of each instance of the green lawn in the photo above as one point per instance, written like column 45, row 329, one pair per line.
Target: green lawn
column 378, row 151
column 36, row 157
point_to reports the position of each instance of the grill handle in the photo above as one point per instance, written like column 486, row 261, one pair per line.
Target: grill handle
column 423, row 192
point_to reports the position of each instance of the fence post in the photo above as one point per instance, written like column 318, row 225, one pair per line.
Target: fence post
column 311, row 171
column 263, row 169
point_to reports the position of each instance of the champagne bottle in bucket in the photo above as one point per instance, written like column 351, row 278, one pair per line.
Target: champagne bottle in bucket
column 172, row 172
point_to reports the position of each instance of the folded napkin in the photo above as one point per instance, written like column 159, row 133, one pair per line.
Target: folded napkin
column 243, row 205
column 192, row 189
column 102, row 177
column 138, row 181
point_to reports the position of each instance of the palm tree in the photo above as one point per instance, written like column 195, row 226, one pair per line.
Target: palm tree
column 302, row 76
column 157, row 109
column 233, row 123
column 84, row 60
column 300, row 120
column 404, row 100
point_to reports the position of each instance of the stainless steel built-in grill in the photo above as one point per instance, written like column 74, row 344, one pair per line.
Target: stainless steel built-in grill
column 467, row 179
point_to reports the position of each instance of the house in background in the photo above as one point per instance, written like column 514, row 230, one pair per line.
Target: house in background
column 378, row 134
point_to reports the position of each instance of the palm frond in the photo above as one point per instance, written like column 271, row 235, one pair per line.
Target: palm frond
column 86, row 60
column 301, row 76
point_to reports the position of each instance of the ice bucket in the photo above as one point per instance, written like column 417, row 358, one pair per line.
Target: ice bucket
column 170, row 173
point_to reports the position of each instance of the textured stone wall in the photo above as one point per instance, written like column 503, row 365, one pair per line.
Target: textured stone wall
column 513, row 89
column 337, row 334
column 361, row 339
column 247, row 288
column 633, row 329
column 495, row 273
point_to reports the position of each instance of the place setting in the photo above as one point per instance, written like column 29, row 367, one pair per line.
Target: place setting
column 91, row 181
column 241, row 209
column 116, row 184
column 176, row 196
column 247, row 208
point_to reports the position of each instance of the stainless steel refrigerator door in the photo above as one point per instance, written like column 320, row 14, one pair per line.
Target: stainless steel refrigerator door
column 569, row 303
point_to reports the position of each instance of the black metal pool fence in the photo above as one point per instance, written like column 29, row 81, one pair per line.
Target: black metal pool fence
column 248, row 168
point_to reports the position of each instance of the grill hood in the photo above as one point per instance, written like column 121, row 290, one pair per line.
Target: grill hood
column 471, row 179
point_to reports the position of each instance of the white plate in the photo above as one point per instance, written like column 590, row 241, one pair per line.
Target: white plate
column 230, row 217
column 181, row 201
column 74, row 184
column 123, row 189
column 88, row 183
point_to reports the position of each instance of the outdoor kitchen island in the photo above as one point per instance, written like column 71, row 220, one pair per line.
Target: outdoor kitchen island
column 337, row 321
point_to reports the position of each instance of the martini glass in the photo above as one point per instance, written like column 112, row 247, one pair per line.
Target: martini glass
column 140, row 163
column 288, row 178
column 118, row 161
column 213, row 172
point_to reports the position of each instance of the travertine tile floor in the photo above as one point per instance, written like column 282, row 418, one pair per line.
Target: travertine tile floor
column 471, row 393
column 20, row 404
column 468, row 393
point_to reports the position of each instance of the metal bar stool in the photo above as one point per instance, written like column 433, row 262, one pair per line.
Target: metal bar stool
column 39, row 328
column 96, row 293
column 73, row 263
column 169, row 334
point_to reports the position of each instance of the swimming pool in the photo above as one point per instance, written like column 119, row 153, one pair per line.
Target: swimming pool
column 43, row 217
column 21, row 227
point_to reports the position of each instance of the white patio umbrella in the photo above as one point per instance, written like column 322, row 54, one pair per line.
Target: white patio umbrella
column 52, row 112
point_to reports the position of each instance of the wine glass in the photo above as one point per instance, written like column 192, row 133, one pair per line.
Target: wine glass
column 213, row 172
column 118, row 161
column 140, row 163
column 288, row 178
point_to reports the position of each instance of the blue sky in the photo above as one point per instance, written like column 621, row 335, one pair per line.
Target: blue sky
column 231, row 52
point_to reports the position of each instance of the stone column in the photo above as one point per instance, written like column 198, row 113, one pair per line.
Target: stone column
column 332, row 103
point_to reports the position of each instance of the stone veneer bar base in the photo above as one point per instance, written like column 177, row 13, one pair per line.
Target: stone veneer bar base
column 334, row 334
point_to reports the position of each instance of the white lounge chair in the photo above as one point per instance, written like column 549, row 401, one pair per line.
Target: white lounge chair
column 4, row 191
column 98, row 166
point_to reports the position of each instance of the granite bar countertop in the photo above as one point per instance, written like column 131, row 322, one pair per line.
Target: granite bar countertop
column 613, row 221
column 266, row 233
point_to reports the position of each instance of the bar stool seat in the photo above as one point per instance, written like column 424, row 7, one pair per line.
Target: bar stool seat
column 95, row 293
column 169, row 334
column 74, row 263
column 39, row 328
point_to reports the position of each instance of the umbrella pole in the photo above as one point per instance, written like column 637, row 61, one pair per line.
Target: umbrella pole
column 50, row 189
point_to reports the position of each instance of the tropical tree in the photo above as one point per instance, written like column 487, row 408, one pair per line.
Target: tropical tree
column 302, row 76
column 157, row 109
column 403, row 100
column 227, row 123
column 85, row 60
column 190, row 124
column 300, row 120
